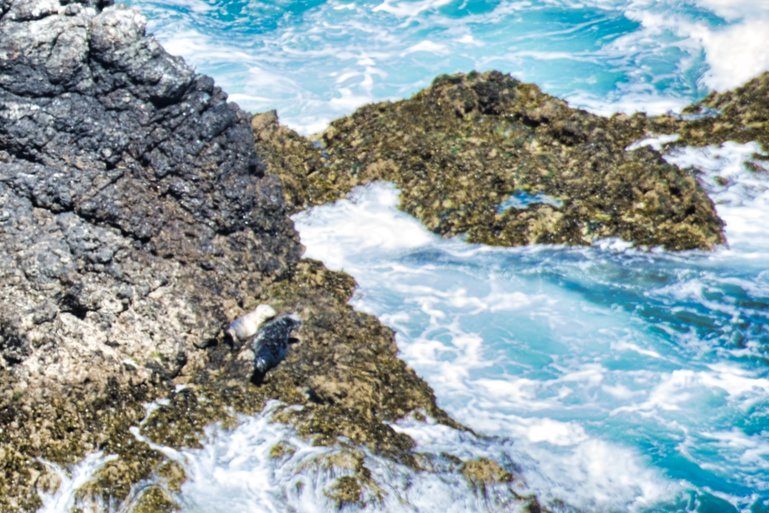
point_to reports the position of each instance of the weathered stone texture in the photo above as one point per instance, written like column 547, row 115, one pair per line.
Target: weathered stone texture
column 459, row 149
column 135, row 220
column 133, row 203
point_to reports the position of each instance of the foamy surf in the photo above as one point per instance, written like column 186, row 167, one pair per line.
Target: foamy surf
column 607, row 56
column 263, row 466
column 65, row 498
column 610, row 368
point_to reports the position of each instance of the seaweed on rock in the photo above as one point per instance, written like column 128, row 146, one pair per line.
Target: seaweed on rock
column 460, row 148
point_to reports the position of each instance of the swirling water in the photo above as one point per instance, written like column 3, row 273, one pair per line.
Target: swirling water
column 314, row 60
column 616, row 379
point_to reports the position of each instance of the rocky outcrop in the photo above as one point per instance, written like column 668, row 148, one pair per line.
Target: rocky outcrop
column 132, row 204
column 740, row 115
column 136, row 221
column 498, row 160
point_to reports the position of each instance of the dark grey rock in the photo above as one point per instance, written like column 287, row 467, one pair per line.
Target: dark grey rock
column 134, row 214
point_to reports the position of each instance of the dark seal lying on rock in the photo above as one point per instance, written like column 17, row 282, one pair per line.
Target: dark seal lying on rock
column 270, row 345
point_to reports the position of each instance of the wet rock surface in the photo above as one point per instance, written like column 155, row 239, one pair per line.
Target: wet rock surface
column 132, row 202
column 740, row 115
column 136, row 222
column 462, row 150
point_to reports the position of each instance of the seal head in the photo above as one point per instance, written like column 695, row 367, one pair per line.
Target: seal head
column 246, row 326
column 271, row 344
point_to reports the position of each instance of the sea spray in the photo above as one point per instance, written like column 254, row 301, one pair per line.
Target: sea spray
column 606, row 55
column 71, row 480
column 626, row 375
column 261, row 465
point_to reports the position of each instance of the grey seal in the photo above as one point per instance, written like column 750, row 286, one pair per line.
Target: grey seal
column 246, row 326
column 271, row 344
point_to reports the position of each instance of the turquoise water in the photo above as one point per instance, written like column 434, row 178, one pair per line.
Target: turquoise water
column 315, row 60
column 616, row 379
column 629, row 380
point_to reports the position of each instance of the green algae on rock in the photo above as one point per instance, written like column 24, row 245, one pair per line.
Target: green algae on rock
column 462, row 148
column 740, row 115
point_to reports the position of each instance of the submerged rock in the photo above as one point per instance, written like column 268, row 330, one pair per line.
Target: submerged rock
column 461, row 149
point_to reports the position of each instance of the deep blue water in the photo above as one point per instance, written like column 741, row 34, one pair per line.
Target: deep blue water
column 619, row 379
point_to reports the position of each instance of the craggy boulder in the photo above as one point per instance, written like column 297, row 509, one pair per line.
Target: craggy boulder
column 135, row 219
column 498, row 160
column 136, row 222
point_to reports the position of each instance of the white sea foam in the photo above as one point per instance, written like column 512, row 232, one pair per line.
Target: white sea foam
column 65, row 498
column 340, row 229
column 409, row 9
column 654, row 142
column 511, row 356
column 682, row 388
column 238, row 470
column 741, row 195
column 734, row 52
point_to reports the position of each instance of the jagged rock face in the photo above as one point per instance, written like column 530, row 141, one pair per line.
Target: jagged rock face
column 739, row 115
column 136, row 221
column 135, row 217
column 461, row 150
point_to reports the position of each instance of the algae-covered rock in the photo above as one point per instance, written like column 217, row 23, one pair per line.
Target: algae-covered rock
column 483, row 471
column 740, row 115
column 135, row 222
column 498, row 160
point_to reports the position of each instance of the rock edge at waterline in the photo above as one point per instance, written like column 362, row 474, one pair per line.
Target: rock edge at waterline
column 137, row 222
column 501, row 162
